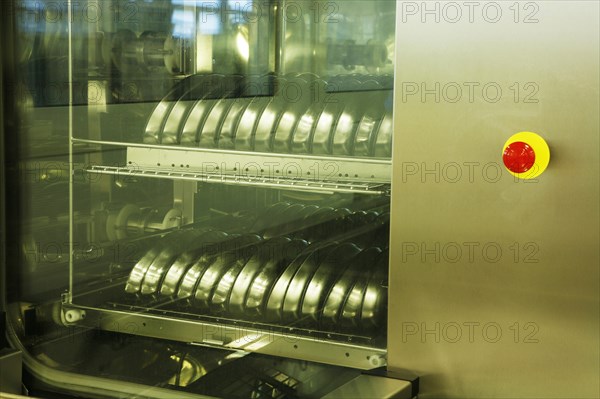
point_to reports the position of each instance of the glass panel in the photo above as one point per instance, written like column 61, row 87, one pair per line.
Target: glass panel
column 206, row 173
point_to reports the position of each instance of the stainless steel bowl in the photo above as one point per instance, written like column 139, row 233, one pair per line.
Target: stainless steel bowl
column 244, row 137
column 338, row 295
column 136, row 276
column 321, row 140
column 155, row 123
column 211, row 277
column 222, row 292
column 365, row 134
column 215, row 285
column 174, row 244
column 351, row 309
column 241, row 285
column 261, row 286
column 274, row 306
column 285, row 217
column 265, row 128
column 138, row 273
column 191, row 278
column 175, row 272
column 184, row 261
column 302, row 137
column 344, row 134
column 230, row 123
column 269, row 217
column 350, row 317
column 210, row 131
column 383, row 142
column 375, row 298
column 191, row 129
column 298, row 284
column 174, row 122
column 321, row 282
column 171, row 111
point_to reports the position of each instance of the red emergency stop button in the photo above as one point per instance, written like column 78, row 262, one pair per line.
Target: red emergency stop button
column 526, row 155
column 518, row 157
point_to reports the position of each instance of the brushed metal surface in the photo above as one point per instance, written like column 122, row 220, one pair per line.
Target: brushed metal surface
column 241, row 337
column 369, row 386
column 523, row 322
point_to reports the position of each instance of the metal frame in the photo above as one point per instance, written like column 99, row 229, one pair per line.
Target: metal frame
column 292, row 171
column 280, row 341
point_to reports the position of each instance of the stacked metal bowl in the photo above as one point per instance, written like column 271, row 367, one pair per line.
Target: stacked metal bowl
column 297, row 113
column 304, row 265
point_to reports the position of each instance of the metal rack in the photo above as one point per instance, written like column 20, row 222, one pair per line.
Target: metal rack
column 288, row 171
column 240, row 336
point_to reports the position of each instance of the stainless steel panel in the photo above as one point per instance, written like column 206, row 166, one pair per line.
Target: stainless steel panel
column 369, row 386
column 494, row 281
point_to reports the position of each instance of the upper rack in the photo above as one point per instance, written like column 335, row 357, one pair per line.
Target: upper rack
column 296, row 131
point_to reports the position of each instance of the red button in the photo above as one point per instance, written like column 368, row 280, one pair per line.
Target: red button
column 518, row 157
